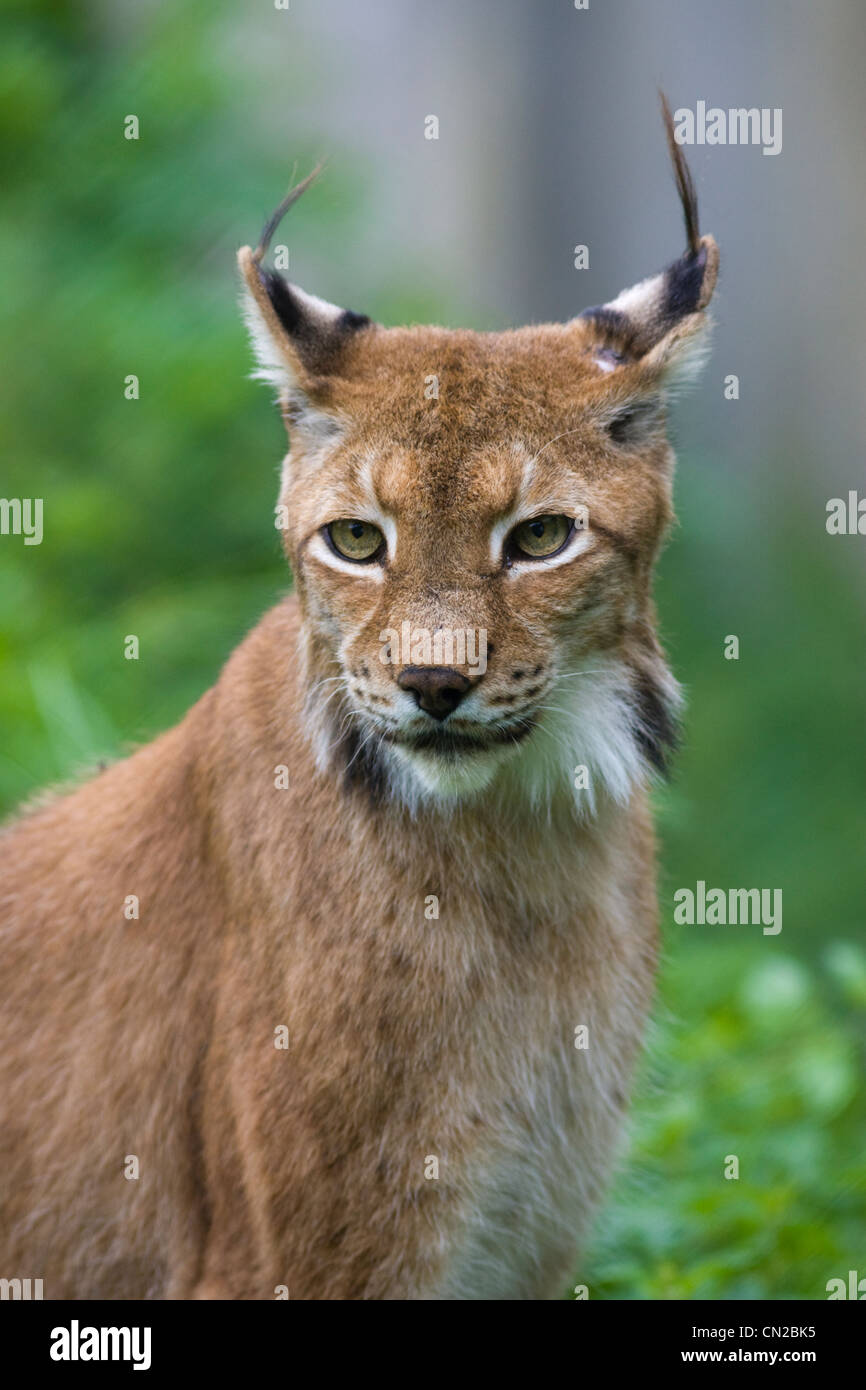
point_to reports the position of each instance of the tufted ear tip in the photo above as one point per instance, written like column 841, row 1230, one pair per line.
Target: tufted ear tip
column 659, row 313
column 296, row 337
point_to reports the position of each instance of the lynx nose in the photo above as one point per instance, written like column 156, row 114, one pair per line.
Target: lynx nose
column 437, row 689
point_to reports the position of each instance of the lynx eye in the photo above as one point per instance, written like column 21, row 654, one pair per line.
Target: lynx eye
column 355, row 540
column 540, row 537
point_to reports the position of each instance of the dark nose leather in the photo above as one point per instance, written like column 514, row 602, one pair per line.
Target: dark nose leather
column 438, row 690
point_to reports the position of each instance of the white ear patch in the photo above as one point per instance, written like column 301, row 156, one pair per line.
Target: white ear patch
column 272, row 365
column 320, row 430
column 642, row 301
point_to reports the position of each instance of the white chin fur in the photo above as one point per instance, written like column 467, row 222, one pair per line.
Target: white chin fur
column 588, row 738
column 418, row 776
column 583, row 750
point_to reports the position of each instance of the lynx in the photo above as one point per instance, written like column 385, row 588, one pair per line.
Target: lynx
column 371, row 1034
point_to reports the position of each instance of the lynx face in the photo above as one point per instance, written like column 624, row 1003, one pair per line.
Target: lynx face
column 472, row 521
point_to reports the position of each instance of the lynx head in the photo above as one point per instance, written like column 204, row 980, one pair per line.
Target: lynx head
column 472, row 521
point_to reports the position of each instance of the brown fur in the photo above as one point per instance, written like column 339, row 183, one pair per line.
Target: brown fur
column 262, row 906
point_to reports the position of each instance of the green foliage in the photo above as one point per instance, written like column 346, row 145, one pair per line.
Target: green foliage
column 119, row 258
column 758, row 1056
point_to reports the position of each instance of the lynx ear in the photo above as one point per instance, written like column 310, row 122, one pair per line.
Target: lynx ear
column 297, row 338
column 660, row 323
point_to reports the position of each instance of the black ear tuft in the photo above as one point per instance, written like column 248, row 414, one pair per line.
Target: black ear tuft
column 685, row 182
column 296, row 337
column 630, row 326
column 279, row 212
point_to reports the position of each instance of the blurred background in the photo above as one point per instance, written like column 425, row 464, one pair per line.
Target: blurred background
column 118, row 258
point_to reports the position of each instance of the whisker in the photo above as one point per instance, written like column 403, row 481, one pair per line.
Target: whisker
column 360, row 748
column 325, row 680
